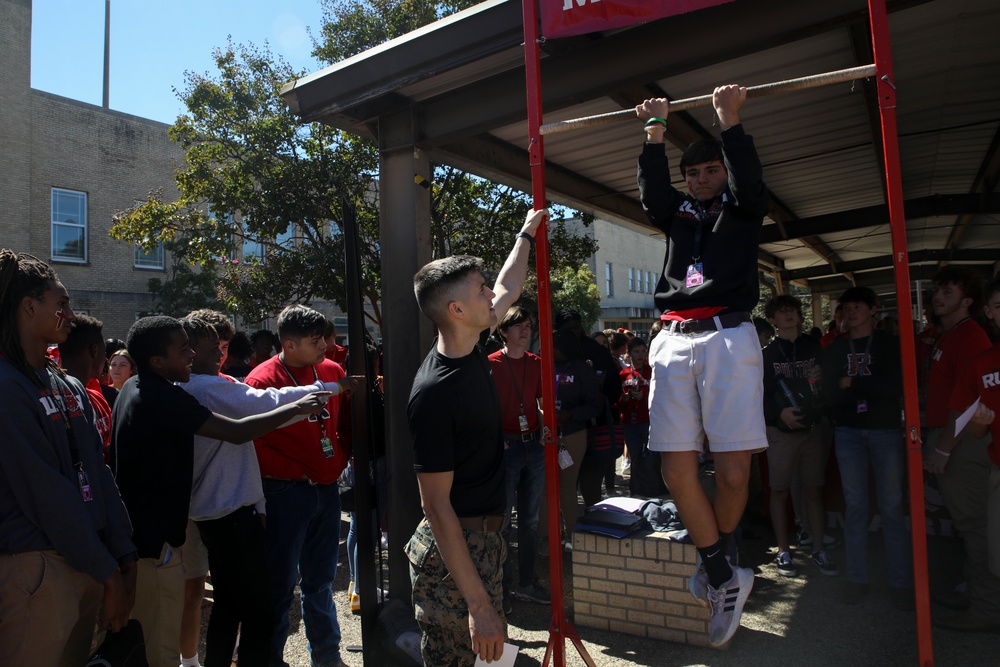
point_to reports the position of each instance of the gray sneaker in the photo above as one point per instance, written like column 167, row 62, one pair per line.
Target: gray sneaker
column 698, row 583
column 532, row 593
column 725, row 606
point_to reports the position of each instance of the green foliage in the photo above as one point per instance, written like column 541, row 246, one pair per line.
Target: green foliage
column 573, row 287
column 353, row 26
column 263, row 196
column 185, row 290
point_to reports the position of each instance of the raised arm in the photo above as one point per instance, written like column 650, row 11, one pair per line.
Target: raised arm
column 515, row 269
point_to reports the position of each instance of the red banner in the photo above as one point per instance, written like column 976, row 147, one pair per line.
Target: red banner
column 563, row 18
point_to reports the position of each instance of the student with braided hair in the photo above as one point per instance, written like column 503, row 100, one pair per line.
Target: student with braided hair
column 67, row 560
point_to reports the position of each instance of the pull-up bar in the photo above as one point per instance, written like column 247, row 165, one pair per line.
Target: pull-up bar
column 802, row 83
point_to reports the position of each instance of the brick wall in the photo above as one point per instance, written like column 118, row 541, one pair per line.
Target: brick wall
column 638, row 586
column 115, row 158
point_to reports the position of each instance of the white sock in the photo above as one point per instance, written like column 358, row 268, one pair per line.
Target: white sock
column 190, row 662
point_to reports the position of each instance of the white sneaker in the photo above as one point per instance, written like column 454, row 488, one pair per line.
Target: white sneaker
column 698, row 583
column 726, row 606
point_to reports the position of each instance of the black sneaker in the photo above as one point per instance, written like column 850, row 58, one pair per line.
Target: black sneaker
column 532, row 593
column 783, row 563
column 825, row 564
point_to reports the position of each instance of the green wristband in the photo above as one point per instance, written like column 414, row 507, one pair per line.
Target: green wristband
column 654, row 121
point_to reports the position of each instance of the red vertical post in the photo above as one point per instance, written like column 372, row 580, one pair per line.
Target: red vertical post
column 900, row 258
column 559, row 628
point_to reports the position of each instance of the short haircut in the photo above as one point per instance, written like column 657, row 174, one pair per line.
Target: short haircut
column 198, row 330
column 435, row 283
column 86, row 331
column 240, row 347
column 700, row 152
column 300, row 321
column 776, row 303
column 567, row 315
column 636, row 342
column 515, row 315
column 617, row 340
column 150, row 337
column 329, row 329
column 863, row 295
column 968, row 280
column 223, row 327
column 112, row 345
column 991, row 287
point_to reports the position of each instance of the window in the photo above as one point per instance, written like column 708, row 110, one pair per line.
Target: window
column 650, row 283
column 609, row 280
column 254, row 252
column 631, row 280
column 69, row 226
column 149, row 260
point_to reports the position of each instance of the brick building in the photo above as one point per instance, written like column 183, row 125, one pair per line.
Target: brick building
column 66, row 167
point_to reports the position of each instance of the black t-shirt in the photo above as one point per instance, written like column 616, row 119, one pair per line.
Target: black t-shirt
column 152, row 436
column 454, row 415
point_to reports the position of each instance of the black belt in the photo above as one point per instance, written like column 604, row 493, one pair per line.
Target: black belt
column 483, row 524
column 521, row 437
column 717, row 323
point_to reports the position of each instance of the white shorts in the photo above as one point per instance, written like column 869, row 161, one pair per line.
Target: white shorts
column 707, row 386
column 195, row 553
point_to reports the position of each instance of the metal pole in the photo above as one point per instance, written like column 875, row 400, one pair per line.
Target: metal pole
column 897, row 223
column 559, row 629
column 360, row 429
column 802, row 83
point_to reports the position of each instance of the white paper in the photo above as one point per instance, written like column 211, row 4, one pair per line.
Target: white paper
column 506, row 660
column 628, row 505
column 964, row 418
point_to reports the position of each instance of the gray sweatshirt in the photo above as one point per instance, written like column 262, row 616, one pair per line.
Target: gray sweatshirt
column 41, row 501
column 226, row 475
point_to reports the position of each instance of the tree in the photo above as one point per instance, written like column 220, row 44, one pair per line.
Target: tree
column 263, row 196
column 571, row 287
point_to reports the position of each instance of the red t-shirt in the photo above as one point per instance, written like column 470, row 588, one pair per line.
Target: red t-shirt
column 336, row 353
column 704, row 313
column 519, row 388
column 635, row 410
column 295, row 451
column 981, row 379
column 829, row 337
column 102, row 416
column 953, row 351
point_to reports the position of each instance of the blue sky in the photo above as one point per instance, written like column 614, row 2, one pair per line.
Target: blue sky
column 153, row 43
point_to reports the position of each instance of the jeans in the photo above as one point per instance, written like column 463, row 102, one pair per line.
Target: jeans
column 238, row 560
column 380, row 510
column 525, row 462
column 883, row 451
column 303, row 539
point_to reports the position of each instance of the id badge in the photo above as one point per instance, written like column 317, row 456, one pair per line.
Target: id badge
column 85, row 492
column 565, row 458
column 523, row 423
column 862, row 407
column 695, row 275
column 327, row 446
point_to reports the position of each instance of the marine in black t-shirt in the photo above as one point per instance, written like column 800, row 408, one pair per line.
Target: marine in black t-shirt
column 455, row 418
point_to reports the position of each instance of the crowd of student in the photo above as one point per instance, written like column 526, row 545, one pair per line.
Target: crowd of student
column 115, row 504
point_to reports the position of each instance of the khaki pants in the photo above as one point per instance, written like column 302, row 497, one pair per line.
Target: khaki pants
column 48, row 610
column 159, row 606
column 965, row 487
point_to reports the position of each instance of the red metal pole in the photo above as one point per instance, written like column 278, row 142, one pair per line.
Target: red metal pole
column 897, row 223
column 560, row 628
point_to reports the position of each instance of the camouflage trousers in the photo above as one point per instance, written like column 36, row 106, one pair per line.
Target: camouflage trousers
column 440, row 609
